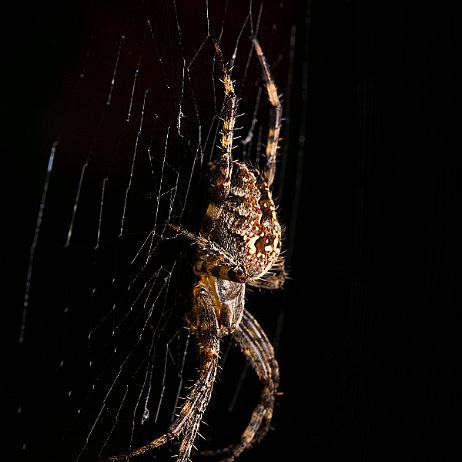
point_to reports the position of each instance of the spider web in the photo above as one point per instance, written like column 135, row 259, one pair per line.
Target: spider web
column 103, row 355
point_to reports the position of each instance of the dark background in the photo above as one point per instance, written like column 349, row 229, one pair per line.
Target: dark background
column 368, row 347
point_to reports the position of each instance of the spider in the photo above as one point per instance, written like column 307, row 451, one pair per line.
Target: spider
column 239, row 243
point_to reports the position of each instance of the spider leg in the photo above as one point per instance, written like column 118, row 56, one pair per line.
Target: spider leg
column 275, row 116
column 205, row 326
column 221, row 170
column 258, row 350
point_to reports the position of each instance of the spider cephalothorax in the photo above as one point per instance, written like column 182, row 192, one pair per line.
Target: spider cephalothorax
column 239, row 243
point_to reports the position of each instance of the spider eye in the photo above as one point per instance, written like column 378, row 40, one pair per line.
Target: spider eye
column 237, row 274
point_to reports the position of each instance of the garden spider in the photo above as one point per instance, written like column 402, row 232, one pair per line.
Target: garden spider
column 239, row 243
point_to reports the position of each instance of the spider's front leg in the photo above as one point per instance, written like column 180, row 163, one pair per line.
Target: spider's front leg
column 272, row 141
column 221, row 171
column 213, row 258
column 204, row 324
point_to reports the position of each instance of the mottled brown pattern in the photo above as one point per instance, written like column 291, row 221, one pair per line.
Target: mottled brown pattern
column 246, row 224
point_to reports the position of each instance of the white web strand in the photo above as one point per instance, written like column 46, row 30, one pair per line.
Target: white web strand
column 76, row 203
column 33, row 246
column 114, row 381
column 116, row 65
column 132, row 168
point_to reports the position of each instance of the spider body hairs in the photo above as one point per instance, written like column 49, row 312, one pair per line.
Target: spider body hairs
column 239, row 243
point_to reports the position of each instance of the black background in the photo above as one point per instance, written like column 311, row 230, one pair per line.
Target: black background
column 368, row 349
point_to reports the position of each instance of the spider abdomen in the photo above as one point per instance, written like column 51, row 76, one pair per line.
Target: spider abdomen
column 245, row 223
